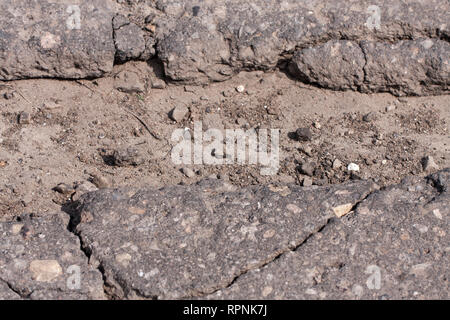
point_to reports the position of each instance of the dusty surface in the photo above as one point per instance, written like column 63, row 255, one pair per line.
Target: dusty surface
column 90, row 99
column 75, row 126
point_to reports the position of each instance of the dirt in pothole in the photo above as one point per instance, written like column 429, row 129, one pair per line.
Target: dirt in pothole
column 78, row 130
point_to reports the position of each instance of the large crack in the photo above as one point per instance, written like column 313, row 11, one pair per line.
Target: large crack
column 365, row 62
column 70, row 209
column 263, row 264
column 112, row 284
column 274, row 258
column 17, row 291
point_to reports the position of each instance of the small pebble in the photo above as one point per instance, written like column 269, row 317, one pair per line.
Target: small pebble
column 307, row 181
column 127, row 156
column 8, row 95
column 428, row 164
column 369, row 117
column 100, row 182
column 188, row 172
column 307, row 150
column 149, row 18
column 63, row 188
column 158, row 84
column 352, row 167
column 85, row 186
column 24, row 118
column 337, row 164
column 50, row 105
column 317, row 125
column 190, row 89
column 308, row 168
column 390, row 108
column 178, row 113
column 272, row 110
column 240, row 88
column 303, row 134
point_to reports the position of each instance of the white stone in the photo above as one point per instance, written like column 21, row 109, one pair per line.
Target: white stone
column 45, row 270
column 352, row 167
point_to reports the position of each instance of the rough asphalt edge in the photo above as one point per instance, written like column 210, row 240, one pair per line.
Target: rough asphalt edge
column 71, row 226
column 164, row 45
column 437, row 181
column 110, row 279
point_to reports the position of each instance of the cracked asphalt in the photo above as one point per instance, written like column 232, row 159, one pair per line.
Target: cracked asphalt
column 212, row 239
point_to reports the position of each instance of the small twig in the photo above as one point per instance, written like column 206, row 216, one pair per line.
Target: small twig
column 153, row 134
column 18, row 91
column 82, row 84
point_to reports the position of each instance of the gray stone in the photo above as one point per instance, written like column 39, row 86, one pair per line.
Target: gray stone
column 127, row 156
column 100, row 181
column 64, row 188
column 303, row 134
column 40, row 259
column 158, row 84
column 24, row 118
column 307, row 181
column 390, row 108
column 82, row 188
column 369, row 117
column 188, row 241
column 308, row 168
column 337, row 164
column 128, row 39
column 178, row 113
column 307, row 150
column 55, row 39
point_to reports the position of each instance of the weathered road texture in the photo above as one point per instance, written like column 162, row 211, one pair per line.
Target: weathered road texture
column 389, row 46
column 57, row 39
column 407, row 67
column 400, row 47
column 212, row 241
column 40, row 259
column 395, row 246
column 209, row 241
column 182, row 242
